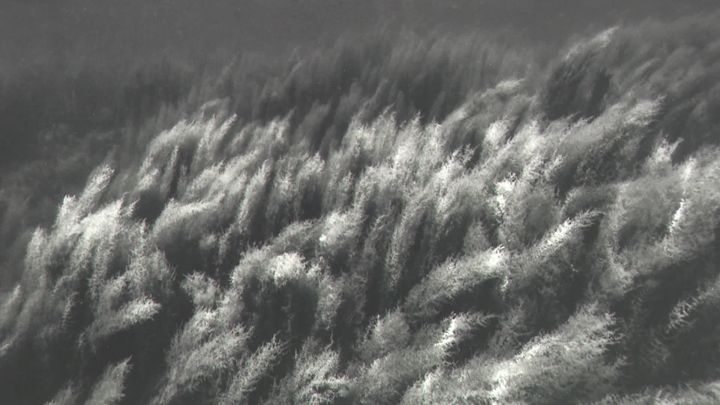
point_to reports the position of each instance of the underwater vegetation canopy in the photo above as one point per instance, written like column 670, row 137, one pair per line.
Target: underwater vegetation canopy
column 386, row 220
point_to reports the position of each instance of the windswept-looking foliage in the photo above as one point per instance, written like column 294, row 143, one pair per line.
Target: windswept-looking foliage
column 396, row 222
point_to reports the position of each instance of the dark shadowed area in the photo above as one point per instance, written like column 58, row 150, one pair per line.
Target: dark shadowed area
column 71, row 60
column 124, row 30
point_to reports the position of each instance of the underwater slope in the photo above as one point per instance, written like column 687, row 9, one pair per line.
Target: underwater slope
column 414, row 221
